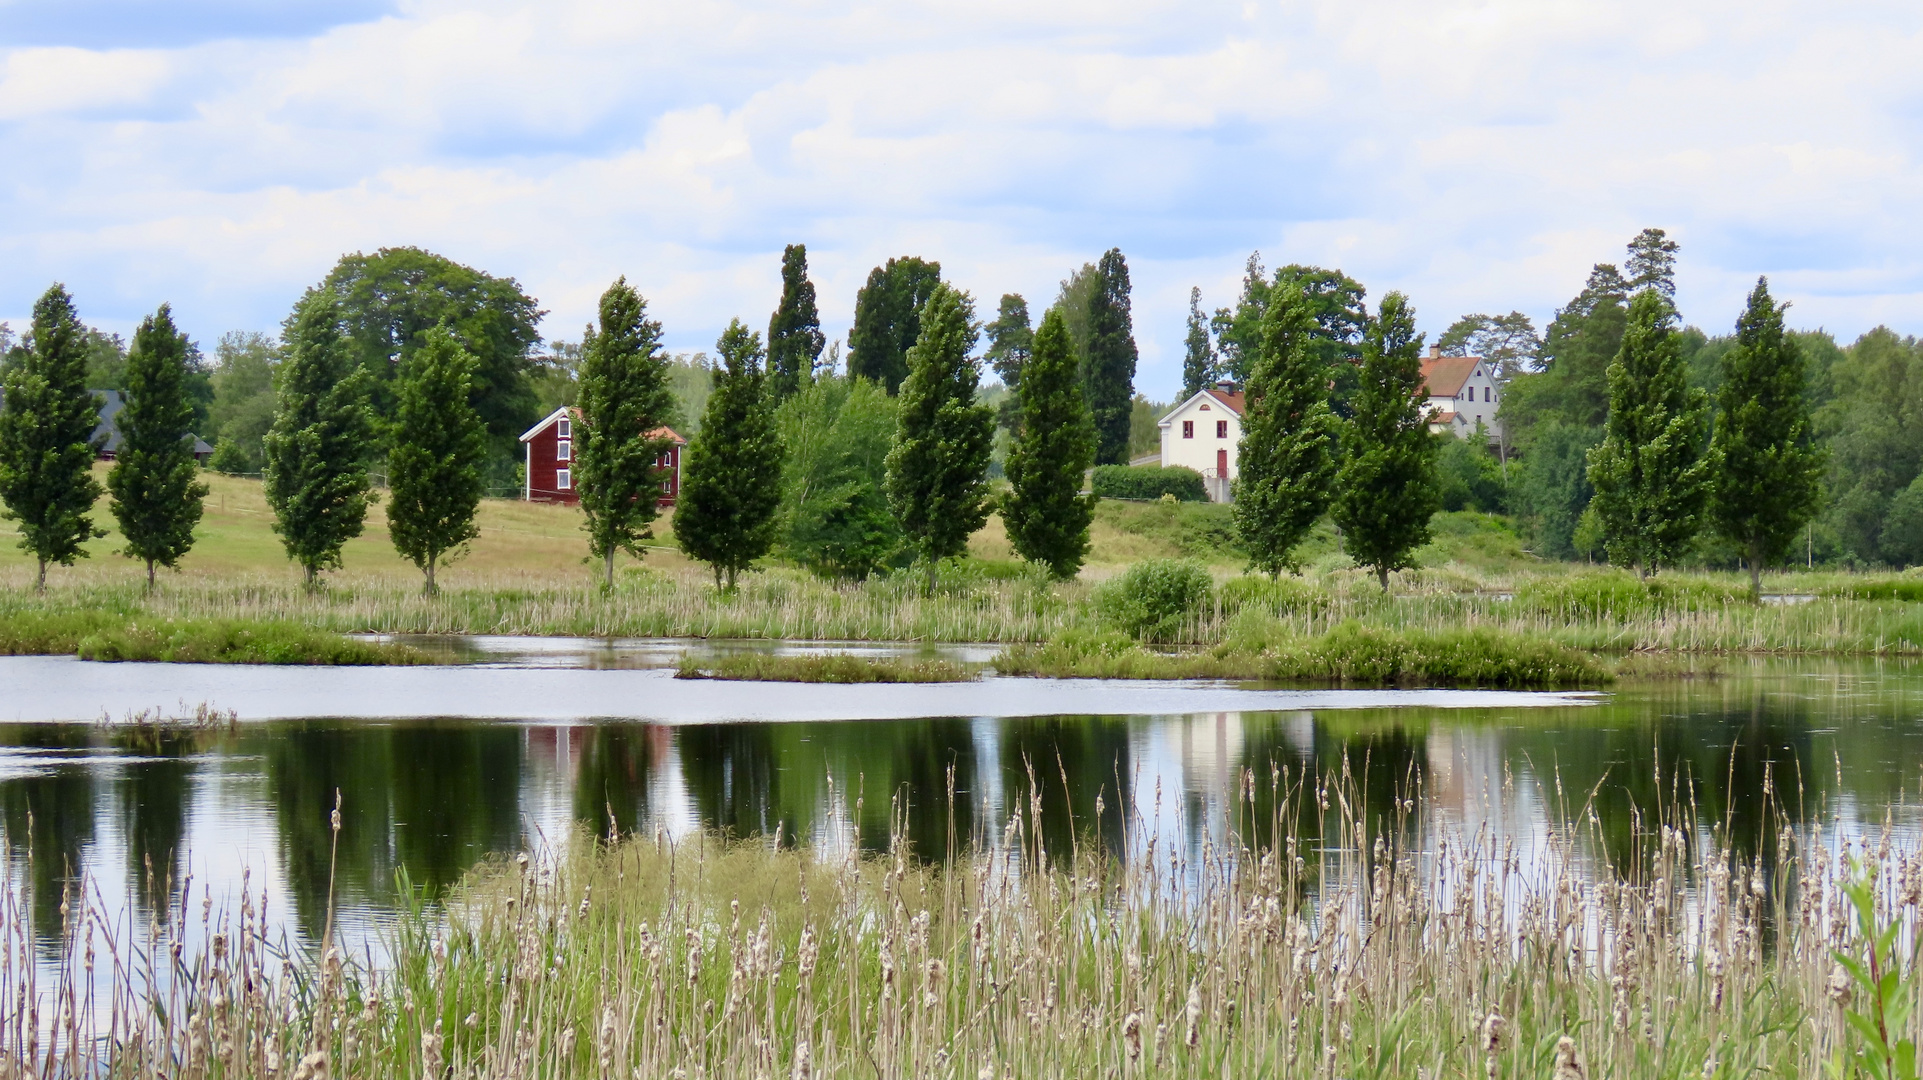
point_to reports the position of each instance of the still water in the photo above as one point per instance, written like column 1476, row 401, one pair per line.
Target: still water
column 437, row 769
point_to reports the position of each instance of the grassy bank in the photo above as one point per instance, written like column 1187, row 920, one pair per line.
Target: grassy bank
column 826, row 668
column 109, row 635
column 723, row 960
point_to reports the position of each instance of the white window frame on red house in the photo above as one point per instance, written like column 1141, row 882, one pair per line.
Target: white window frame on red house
column 563, row 449
column 563, row 479
column 564, row 428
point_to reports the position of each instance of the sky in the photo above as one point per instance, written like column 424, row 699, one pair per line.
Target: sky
column 220, row 155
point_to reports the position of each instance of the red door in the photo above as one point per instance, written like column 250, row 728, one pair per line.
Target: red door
column 1222, row 464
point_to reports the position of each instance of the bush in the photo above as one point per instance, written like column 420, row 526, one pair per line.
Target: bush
column 1156, row 600
column 1148, row 482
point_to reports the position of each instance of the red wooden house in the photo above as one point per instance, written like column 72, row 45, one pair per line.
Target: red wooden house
column 550, row 460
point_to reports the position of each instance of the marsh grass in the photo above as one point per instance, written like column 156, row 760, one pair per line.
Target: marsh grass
column 1391, row 946
column 106, row 634
column 825, row 668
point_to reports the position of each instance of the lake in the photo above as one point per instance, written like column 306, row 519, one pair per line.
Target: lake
column 439, row 768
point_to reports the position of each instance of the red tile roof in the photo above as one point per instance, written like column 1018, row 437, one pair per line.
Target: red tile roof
column 1234, row 401
column 1444, row 375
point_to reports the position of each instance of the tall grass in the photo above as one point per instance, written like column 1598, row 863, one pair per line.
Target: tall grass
column 1368, row 955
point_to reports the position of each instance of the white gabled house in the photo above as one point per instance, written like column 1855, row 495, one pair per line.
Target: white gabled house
column 1462, row 393
column 1201, row 434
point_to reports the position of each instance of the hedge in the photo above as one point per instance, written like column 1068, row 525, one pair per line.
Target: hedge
column 1148, row 482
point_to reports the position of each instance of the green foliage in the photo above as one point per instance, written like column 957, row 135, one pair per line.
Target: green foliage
column 1510, row 342
column 825, row 668
column 1198, row 351
column 1010, row 340
column 1156, row 600
column 1549, row 488
column 1881, row 992
column 243, row 406
column 316, row 452
column 888, row 314
column 155, row 479
column 1616, row 596
column 1874, row 430
column 1386, row 488
column 624, row 401
column 1767, row 482
column 1148, row 482
column 238, row 642
column 434, row 468
column 46, row 431
column 795, row 340
column 1334, row 304
column 1108, row 368
column 1468, row 476
column 834, row 514
column 1275, row 597
column 937, row 469
column 1046, row 514
column 390, row 300
column 1287, row 455
column 1651, row 473
column 731, row 474
column 1144, row 427
column 1652, row 263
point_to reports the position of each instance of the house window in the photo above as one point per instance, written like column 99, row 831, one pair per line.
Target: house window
column 564, row 451
column 1221, row 429
column 1188, row 429
column 563, row 480
column 564, row 428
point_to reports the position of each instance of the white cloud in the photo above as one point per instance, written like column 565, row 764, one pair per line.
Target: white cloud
column 1476, row 154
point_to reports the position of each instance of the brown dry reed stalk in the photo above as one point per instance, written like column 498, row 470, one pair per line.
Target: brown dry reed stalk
column 1324, row 932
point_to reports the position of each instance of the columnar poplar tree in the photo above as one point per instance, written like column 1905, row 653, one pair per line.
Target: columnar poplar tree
column 1651, row 473
column 888, row 314
column 1286, row 460
column 46, row 437
column 624, row 399
column 1109, row 378
column 937, row 470
column 317, row 450
column 795, row 340
column 1386, row 488
column 440, row 446
column 155, row 482
column 731, row 477
column 1198, row 354
column 1768, row 472
column 1046, row 514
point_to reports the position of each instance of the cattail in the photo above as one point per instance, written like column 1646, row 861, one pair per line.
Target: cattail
column 1132, row 1035
column 1193, row 1014
column 804, row 1068
column 1567, row 1066
column 314, row 1065
column 1494, row 1031
column 432, row 1062
column 1839, row 986
column 806, row 953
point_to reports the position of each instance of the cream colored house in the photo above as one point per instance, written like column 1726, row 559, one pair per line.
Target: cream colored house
column 1201, row 434
column 1462, row 394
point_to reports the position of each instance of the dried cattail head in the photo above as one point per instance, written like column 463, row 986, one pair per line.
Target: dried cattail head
column 1132, row 1035
column 804, row 1067
column 432, row 1044
column 1567, row 1065
column 1839, row 986
column 1494, row 1033
column 1193, row 1014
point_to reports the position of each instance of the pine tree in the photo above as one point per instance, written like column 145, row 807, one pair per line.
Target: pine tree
column 1286, row 460
column 731, row 487
column 795, row 340
column 317, row 450
column 1010, row 340
column 1109, row 377
column 440, row 446
column 46, row 437
column 1386, row 488
column 888, row 313
column 937, row 470
column 1652, row 263
column 1768, row 471
column 1198, row 357
column 157, row 493
column 624, row 400
column 1046, row 514
column 1651, row 474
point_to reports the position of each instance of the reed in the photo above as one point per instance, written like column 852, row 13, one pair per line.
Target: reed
column 109, row 635
column 1324, row 935
column 825, row 668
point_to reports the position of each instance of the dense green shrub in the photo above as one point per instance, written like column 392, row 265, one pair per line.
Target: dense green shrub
column 1148, row 482
column 1156, row 600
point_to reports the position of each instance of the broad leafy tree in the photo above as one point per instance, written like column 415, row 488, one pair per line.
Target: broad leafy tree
column 1334, row 302
column 624, row 400
column 388, row 302
column 155, row 479
column 1010, row 340
column 1387, row 489
column 1768, row 471
column 727, row 515
column 888, row 314
column 1108, row 369
column 1198, row 351
column 46, row 437
column 434, row 467
column 1510, row 342
column 937, row 471
column 317, row 451
column 795, row 340
column 1651, row 473
column 834, row 510
column 243, row 402
column 1286, row 460
column 1046, row 514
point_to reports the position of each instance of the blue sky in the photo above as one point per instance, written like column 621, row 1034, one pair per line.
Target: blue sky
column 1479, row 156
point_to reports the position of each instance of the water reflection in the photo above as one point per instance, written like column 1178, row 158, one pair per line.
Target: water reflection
column 136, row 812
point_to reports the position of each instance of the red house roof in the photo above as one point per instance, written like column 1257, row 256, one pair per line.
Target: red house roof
column 569, row 412
column 1444, row 375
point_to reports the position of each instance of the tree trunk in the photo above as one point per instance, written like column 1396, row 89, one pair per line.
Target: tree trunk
column 150, row 575
column 311, row 581
column 432, row 588
column 609, row 584
column 41, row 587
column 1755, row 572
column 1382, row 575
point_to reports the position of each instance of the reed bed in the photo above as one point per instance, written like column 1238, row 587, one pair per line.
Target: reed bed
column 826, row 668
column 1363, row 953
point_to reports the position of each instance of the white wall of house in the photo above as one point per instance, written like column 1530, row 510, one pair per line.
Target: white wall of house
column 1476, row 401
column 1201, row 434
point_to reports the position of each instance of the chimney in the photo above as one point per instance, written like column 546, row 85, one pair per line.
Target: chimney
column 1435, row 351
column 1226, row 386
